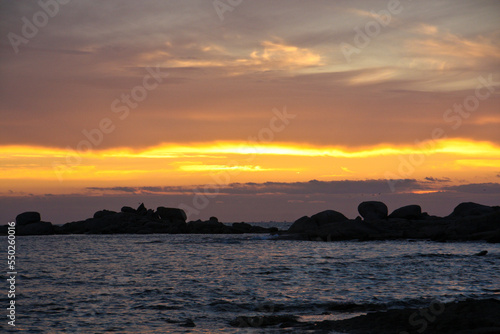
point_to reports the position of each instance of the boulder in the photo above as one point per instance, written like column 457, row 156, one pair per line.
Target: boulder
column 28, row 217
column 470, row 209
column 171, row 214
column 209, row 226
column 141, row 210
column 103, row 213
column 373, row 210
column 302, row 225
column 328, row 217
column 407, row 212
column 128, row 209
column 37, row 228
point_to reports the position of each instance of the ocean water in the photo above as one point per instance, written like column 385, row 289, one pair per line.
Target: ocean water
column 154, row 283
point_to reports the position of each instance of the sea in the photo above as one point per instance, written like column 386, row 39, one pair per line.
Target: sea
column 199, row 283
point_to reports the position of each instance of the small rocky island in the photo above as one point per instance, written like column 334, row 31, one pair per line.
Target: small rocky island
column 131, row 221
column 468, row 221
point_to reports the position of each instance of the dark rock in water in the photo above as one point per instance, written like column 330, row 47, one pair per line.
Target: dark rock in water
column 38, row 228
column 28, row 217
column 328, row 217
column 469, row 316
column 171, row 214
column 188, row 323
column 302, row 225
column 103, row 213
column 283, row 321
column 468, row 209
column 242, row 227
column 373, row 210
column 209, row 226
column 407, row 212
column 128, row 209
column 141, row 210
column 481, row 253
column 213, row 220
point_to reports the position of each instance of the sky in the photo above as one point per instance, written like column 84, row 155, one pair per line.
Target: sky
column 247, row 110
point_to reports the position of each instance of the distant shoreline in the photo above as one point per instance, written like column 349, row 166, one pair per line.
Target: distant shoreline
column 468, row 221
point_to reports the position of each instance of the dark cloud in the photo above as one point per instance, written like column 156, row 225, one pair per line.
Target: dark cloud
column 313, row 187
column 439, row 180
column 476, row 188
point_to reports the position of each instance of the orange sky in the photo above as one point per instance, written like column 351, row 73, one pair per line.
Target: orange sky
column 128, row 95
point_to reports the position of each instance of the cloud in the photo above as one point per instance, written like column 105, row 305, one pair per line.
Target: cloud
column 476, row 188
column 279, row 188
column 439, row 50
column 435, row 179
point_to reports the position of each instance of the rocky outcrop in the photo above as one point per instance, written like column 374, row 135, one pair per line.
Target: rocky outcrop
column 407, row 212
column 305, row 224
column 28, row 217
column 468, row 209
column 30, row 223
column 467, row 316
column 469, row 221
column 132, row 221
column 373, row 210
column 171, row 214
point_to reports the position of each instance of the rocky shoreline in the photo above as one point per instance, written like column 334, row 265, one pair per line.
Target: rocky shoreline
column 465, row 317
column 131, row 221
column 468, row 221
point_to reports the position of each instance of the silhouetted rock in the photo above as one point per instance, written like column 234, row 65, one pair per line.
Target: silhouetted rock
column 171, row 214
column 188, row 323
column 103, row 213
column 481, row 253
column 37, row 228
column 469, row 316
column 209, row 226
column 28, row 217
column 404, row 223
column 328, row 217
column 303, row 224
column 468, row 209
column 283, row 321
column 128, row 209
column 372, row 210
column 407, row 212
column 141, row 210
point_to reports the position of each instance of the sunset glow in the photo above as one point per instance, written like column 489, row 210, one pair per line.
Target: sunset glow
column 179, row 94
